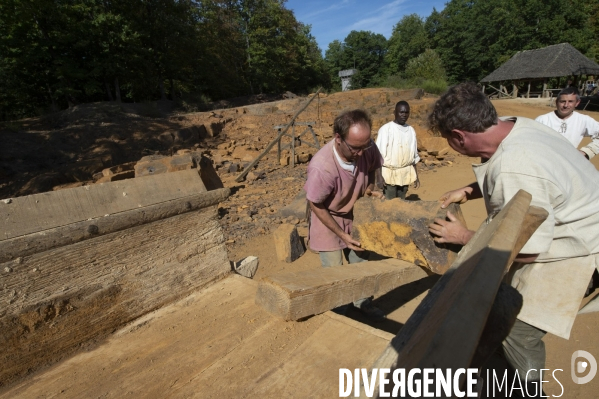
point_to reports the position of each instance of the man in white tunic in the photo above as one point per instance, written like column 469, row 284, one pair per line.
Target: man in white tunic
column 396, row 141
column 572, row 125
column 554, row 267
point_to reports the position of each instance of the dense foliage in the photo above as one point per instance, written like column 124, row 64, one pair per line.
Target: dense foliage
column 474, row 37
column 56, row 53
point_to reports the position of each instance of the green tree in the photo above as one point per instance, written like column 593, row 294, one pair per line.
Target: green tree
column 427, row 65
column 362, row 50
column 409, row 38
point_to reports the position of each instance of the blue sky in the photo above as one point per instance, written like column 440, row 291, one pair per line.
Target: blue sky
column 334, row 19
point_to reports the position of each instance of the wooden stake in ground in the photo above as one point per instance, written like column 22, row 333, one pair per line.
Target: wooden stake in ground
column 272, row 143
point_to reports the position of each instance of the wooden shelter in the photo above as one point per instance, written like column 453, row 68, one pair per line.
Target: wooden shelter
column 556, row 61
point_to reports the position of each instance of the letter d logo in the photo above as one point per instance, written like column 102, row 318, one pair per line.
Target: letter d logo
column 581, row 366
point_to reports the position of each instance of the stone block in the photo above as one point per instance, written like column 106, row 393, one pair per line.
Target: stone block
column 284, row 160
column 247, row 267
column 399, row 229
column 206, row 171
column 297, row 207
column 156, row 164
column 187, row 135
column 288, row 243
column 303, row 158
column 118, row 169
column 234, row 168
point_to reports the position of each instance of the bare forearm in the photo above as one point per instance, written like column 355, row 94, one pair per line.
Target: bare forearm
column 591, row 149
column 473, row 191
column 526, row 258
column 372, row 179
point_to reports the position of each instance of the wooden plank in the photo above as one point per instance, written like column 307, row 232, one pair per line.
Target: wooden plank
column 444, row 330
column 399, row 229
column 38, row 212
column 230, row 348
column 94, row 227
column 293, row 296
column 277, row 139
column 54, row 301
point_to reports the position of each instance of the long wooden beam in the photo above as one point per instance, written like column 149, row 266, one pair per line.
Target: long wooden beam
column 445, row 329
column 293, row 296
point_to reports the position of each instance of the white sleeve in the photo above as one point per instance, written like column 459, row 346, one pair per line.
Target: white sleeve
column 544, row 194
column 381, row 141
column 415, row 148
column 592, row 130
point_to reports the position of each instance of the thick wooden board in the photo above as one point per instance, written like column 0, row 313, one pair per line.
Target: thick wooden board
column 399, row 229
column 214, row 344
column 93, row 227
column 53, row 301
column 445, row 329
column 34, row 213
column 293, row 296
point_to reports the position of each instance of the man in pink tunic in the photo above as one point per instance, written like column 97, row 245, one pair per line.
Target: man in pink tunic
column 340, row 173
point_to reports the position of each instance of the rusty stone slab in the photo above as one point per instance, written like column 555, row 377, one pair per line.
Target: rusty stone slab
column 399, row 229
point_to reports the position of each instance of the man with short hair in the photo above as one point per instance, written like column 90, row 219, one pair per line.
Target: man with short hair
column 339, row 173
column 554, row 267
column 571, row 124
column 396, row 141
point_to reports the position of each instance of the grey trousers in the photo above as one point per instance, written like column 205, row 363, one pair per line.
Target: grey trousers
column 524, row 350
column 391, row 191
column 335, row 258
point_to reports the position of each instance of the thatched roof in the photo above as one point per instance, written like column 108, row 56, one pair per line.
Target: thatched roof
column 547, row 62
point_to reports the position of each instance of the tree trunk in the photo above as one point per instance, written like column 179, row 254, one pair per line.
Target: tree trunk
column 173, row 95
column 162, row 94
column 110, row 98
column 117, row 90
column 54, row 105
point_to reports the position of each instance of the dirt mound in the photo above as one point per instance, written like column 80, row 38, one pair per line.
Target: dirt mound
column 72, row 147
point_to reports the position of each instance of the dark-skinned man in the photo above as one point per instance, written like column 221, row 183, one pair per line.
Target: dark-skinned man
column 396, row 141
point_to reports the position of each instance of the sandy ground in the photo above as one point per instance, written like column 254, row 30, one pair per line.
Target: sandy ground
column 400, row 303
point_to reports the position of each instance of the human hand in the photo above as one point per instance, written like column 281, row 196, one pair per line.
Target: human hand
column 584, row 154
column 351, row 243
column 375, row 194
column 450, row 231
column 460, row 196
column 417, row 183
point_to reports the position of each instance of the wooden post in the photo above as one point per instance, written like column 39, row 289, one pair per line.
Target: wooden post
column 514, row 90
column 528, row 91
column 544, row 95
column 293, row 146
column 279, row 150
column 278, row 138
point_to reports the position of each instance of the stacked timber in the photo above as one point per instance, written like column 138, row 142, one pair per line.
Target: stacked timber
column 77, row 264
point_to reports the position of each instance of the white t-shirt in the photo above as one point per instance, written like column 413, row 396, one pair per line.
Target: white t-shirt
column 537, row 159
column 574, row 129
column 349, row 166
column 397, row 144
